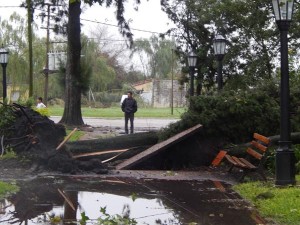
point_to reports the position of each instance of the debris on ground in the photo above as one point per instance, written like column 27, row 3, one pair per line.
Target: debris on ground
column 36, row 138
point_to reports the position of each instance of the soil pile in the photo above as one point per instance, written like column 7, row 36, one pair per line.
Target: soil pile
column 36, row 137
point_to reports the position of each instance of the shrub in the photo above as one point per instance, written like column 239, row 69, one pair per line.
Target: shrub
column 7, row 119
column 43, row 111
column 234, row 116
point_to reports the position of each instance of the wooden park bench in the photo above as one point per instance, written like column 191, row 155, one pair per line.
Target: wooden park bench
column 252, row 162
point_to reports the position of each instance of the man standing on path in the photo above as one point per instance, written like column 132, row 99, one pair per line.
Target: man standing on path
column 129, row 107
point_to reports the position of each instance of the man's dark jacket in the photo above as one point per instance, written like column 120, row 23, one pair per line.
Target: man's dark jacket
column 129, row 105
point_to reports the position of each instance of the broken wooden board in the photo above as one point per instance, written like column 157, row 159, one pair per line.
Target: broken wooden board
column 155, row 149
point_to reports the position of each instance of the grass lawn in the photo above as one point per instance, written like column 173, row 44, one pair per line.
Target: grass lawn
column 282, row 204
column 116, row 112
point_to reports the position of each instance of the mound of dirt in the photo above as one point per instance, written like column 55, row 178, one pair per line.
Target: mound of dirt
column 35, row 138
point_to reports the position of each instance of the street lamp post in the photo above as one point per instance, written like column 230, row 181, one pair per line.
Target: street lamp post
column 219, row 44
column 192, row 61
column 3, row 62
column 285, row 156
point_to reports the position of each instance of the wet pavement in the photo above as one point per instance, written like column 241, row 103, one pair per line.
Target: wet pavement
column 139, row 123
column 149, row 197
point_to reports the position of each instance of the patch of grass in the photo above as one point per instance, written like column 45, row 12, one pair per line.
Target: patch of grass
column 7, row 189
column 9, row 154
column 282, row 204
column 116, row 112
column 76, row 136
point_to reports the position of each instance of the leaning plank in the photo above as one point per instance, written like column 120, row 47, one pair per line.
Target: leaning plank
column 66, row 139
column 67, row 199
column 99, row 153
column 155, row 149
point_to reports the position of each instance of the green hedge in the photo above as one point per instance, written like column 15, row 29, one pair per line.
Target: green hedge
column 236, row 115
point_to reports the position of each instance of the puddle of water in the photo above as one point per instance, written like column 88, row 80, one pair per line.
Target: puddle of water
column 147, row 201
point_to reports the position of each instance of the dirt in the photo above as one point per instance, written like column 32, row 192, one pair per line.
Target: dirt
column 23, row 168
column 20, row 168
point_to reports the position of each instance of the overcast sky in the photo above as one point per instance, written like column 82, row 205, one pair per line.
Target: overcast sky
column 149, row 16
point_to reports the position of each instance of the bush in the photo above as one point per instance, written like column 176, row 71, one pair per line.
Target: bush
column 234, row 116
column 43, row 111
column 7, row 119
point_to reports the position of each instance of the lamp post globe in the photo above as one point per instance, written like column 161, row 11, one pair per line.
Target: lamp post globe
column 192, row 62
column 219, row 44
column 285, row 157
column 3, row 61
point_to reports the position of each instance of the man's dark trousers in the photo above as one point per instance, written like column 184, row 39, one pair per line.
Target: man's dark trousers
column 129, row 116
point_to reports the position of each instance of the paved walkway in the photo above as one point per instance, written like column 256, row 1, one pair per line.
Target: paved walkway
column 139, row 123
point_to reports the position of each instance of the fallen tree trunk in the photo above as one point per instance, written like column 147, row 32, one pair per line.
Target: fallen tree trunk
column 136, row 140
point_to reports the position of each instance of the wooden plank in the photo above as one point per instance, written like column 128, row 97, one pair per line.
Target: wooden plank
column 218, row 158
column 230, row 159
column 253, row 153
column 239, row 162
column 247, row 163
column 66, row 139
column 259, row 146
column 155, row 149
column 67, row 199
column 219, row 185
column 99, row 153
column 261, row 138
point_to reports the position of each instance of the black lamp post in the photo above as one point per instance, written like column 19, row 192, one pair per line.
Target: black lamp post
column 3, row 62
column 285, row 157
column 192, row 61
column 219, row 44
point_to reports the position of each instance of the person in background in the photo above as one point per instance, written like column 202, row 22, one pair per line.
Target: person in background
column 129, row 107
column 40, row 103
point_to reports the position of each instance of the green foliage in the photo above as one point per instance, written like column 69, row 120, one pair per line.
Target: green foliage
column 160, row 60
column 133, row 196
column 55, row 219
column 124, row 219
column 8, row 154
column 270, row 159
column 7, row 119
column 232, row 115
column 296, row 149
column 7, row 189
column 84, row 219
column 30, row 102
column 43, row 111
column 76, row 136
column 279, row 203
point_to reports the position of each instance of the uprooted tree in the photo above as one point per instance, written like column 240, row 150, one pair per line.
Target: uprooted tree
column 35, row 137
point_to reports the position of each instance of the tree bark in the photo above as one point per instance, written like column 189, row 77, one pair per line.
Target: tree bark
column 72, row 110
column 29, row 18
column 115, row 143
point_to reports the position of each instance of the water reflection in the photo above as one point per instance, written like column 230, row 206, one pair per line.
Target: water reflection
column 63, row 200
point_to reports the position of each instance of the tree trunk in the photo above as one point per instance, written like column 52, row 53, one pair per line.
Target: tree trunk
column 114, row 143
column 29, row 18
column 72, row 111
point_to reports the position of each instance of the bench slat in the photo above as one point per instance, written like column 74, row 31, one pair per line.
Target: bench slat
column 247, row 163
column 259, row 146
column 239, row 162
column 257, row 150
column 253, row 153
column 228, row 157
column 262, row 138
